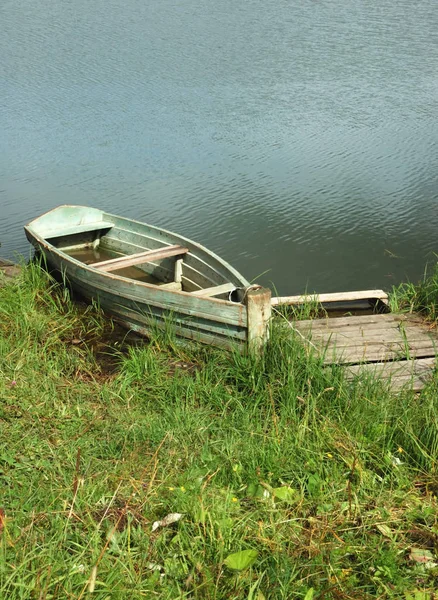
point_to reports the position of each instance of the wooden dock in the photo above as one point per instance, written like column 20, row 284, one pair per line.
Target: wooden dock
column 400, row 348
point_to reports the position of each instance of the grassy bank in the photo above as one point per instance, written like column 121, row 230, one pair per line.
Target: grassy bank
column 291, row 482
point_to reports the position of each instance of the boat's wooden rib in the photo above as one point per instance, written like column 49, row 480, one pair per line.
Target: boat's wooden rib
column 141, row 257
column 198, row 264
column 163, row 270
column 197, row 273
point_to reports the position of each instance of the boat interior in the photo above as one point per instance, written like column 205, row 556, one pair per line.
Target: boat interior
column 146, row 255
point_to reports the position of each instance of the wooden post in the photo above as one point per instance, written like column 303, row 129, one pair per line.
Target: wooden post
column 258, row 304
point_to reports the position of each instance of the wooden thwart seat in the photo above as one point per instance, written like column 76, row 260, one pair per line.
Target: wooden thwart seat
column 215, row 291
column 113, row 264
column 75, row 229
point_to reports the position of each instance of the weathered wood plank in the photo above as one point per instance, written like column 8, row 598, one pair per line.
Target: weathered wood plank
column 163, row 271
column 113, row 264
column 201, row 327
column 333, row 297
column 383, row 320
column 365, row 325
column 226, row 343
column 371, row 331
column 258, row 304
column 217, row 290
column 366, row 354
column 215, row 309
column 376, row 346
column 342, row 338
column 399, row 374
column 395, row 368
column 152, row 317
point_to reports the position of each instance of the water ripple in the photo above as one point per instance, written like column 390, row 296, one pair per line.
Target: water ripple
column 296, row 139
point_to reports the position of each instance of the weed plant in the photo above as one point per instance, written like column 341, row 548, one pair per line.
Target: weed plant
column 283, row 479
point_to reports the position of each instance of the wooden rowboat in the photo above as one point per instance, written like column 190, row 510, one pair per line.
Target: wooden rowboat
column 145, row 276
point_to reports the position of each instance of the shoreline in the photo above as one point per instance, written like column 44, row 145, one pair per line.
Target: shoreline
column 9, row 268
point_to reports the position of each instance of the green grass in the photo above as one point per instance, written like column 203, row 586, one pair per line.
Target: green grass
column 421, row 297
column 331, row 484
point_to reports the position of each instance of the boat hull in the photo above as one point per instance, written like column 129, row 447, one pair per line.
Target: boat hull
column 142, row 306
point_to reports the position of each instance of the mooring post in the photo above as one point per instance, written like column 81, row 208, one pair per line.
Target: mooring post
column 258, row 305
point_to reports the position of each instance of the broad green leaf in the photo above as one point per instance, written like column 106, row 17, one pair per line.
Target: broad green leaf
column 420, row 555
column 239, row 561
column 256, row 491
column 286, row 493
column 385, row 530
column 309, row 594
column 417, row 595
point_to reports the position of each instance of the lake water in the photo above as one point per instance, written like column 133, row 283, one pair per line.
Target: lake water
column 296, row 139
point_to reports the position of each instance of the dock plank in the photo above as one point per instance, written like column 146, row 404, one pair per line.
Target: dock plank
column 407, row 373
column 382, row 320
column 369, row 295
column 345, row 356
column 342, row 338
